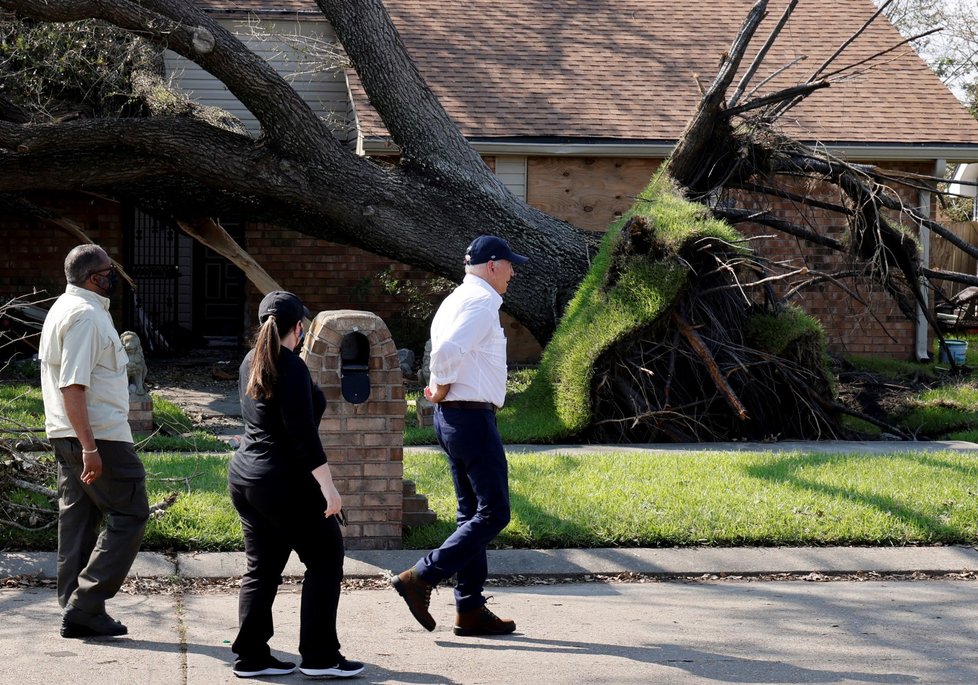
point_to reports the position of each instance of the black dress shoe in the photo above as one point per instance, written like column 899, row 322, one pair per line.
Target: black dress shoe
column 78, row 623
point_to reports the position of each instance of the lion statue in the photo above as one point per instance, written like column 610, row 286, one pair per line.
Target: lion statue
column 136, row 368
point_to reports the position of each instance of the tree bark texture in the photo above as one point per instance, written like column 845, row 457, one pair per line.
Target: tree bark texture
column 423, row 212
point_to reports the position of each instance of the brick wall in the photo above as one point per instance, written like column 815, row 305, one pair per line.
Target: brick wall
column 33, row 254
column 874, row 328
column 589, row 192
column 330, row 276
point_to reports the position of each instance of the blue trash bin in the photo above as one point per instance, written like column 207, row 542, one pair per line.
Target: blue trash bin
column 958, row 350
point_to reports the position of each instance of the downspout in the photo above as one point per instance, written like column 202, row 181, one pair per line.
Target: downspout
column 922, row 351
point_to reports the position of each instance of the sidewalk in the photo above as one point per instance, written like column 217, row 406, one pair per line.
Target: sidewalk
column 564, row 563
column 655, row 632
column 667, row 630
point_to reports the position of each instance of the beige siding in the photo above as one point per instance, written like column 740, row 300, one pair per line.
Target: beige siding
column 512, row 172
column 325, row 91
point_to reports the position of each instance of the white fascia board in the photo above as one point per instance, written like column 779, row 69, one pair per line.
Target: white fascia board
column 904, row 153
column 383, row 146
column 874, row 153
column 965, row 172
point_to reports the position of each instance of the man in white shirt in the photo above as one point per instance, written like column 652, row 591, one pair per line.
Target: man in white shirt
column 100, row 477
column 468, row 385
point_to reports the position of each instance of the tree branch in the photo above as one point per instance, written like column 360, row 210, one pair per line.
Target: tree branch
column 416, row 120
column 800, row 91
column 735, row 216
column 686, row 165
column 181, row 26
column 749, row 74
column 695, row 342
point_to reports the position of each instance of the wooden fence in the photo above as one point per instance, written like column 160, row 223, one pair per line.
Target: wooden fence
column 945, row 256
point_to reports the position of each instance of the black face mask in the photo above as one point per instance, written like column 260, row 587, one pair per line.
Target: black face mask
column 108, row 282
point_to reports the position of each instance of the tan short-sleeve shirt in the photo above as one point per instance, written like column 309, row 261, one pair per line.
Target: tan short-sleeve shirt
column 80, row 346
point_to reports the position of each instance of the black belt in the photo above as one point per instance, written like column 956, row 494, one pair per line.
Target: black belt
column 461, row 404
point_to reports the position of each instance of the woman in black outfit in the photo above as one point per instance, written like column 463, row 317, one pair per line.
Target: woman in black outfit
column 281, row 486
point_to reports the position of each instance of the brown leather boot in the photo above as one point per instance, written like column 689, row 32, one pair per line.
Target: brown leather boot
column 417, row 593
column 481, row 621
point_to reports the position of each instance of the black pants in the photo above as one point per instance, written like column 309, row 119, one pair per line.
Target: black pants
column 92, row 565
column 278, row 517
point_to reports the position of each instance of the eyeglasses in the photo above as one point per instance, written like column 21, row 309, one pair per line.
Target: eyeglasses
column 110, row 267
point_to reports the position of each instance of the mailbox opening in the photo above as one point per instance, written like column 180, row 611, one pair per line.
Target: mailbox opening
column 355, row 367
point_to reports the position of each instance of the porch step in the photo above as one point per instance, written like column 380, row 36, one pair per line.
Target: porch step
column 425, row 412
column 415, row 510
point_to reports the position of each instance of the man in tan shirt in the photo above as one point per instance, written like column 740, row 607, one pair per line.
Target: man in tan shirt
column 100, row 477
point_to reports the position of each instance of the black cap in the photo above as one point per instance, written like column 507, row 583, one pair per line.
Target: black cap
column 487, row 248
column 286, row 307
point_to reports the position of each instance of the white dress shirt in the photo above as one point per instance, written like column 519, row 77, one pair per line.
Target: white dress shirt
column 80, row 346
column 468, row 347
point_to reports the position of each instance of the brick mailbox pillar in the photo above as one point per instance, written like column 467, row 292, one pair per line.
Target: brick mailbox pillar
column 363, row 438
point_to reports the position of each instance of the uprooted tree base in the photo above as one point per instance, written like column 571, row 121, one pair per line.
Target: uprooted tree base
column 714, row 366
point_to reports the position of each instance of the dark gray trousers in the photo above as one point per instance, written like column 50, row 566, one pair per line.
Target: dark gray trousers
column 93, row 564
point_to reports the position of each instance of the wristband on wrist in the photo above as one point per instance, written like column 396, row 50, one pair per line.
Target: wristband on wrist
column 85, row 451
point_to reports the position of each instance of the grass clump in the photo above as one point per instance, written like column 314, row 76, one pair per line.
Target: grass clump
column 22, row 414
column 776, row 334
column 21, row 411
column 202, row 518
column 943, row 410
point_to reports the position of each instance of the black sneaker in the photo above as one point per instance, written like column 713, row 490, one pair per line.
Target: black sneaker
column 76, row 623
column 244, row 668
column 344, row 669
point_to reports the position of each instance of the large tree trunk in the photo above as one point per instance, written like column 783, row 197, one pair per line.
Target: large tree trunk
column 423, row 212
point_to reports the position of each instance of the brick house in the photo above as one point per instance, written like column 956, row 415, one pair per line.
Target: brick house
column 573, row 105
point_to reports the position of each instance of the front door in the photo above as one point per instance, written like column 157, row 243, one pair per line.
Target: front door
column 219, row 292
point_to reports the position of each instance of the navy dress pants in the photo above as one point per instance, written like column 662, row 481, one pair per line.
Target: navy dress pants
column 481, row 478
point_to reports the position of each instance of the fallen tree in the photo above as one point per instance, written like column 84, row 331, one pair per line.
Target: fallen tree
column 189, row 163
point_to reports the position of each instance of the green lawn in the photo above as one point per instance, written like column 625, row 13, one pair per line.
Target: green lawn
column 599, row 500
column 948, row 412
column 636, row 500
column 722, row 499
column 21, row 407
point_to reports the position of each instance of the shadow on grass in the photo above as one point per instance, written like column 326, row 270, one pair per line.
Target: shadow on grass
column 930, row 527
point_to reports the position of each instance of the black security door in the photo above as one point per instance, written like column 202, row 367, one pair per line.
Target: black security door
column 151, row 260
column 219, row 291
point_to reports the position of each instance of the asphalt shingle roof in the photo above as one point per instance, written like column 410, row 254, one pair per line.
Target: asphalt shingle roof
column 624, row 69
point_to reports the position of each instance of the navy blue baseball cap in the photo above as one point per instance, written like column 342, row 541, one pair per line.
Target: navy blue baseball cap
column 287, row 309
column 487, row 248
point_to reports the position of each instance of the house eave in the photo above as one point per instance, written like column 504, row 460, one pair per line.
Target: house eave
column 662, row 148
column 297, row 15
